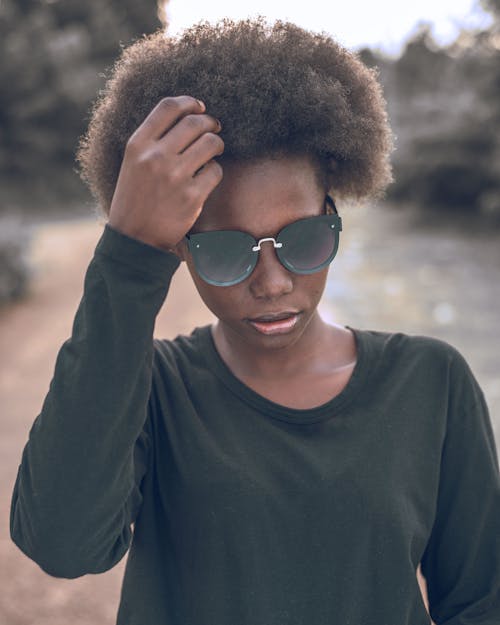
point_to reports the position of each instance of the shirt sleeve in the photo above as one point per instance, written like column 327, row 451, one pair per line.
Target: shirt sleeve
column 461, row 562
column 77, row 489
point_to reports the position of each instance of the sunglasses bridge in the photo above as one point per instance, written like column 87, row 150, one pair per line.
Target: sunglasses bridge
column 256, row 248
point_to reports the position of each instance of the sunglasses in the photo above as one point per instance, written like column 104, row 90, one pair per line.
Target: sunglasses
column 227, row 257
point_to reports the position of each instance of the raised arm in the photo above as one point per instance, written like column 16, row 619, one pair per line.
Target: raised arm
column 77, row 490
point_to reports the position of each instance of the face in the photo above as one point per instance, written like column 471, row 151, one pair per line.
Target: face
column 261, row 198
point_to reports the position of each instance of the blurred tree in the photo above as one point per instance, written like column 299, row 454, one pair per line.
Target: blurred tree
column 491, row 5
column 55, row 52
column 443, row 104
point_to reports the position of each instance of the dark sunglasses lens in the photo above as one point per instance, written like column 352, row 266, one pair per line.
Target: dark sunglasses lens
column 308, row 244
column 222, row 257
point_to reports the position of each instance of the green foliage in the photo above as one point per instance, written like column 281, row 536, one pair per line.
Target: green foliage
column 15, row 271
column 54, row 53
column 491, row 5
column 443, row 105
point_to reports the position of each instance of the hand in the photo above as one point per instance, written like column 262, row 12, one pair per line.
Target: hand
column 167, row 173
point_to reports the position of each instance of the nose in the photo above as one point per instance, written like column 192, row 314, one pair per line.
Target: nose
column 270, row 280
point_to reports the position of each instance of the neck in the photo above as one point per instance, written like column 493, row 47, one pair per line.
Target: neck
column 310, row 353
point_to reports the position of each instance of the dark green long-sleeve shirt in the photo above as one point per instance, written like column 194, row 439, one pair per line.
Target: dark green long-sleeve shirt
column 245, row 512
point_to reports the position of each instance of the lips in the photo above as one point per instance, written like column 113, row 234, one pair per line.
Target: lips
column 277, row 316
column 275, row 323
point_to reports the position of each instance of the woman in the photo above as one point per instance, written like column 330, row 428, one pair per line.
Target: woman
column 278, row 470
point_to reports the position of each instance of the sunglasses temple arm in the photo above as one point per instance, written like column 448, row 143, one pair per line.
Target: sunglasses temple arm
column 330, row 206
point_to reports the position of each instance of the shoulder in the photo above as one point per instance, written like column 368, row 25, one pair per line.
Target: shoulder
column 433, row 362
column 184, row 351
column 406, row 346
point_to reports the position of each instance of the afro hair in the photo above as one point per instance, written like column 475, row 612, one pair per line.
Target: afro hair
column 277, row 89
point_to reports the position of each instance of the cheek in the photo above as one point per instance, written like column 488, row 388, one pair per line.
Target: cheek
column 220, row 300
column 315, row 284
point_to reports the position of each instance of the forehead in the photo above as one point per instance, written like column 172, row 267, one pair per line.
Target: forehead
column 261, row 197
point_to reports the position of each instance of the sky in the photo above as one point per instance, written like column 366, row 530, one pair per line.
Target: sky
column 381, row 24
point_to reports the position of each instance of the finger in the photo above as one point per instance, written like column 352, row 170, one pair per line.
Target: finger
column 188, row 129
column 165, row 114
column 202, row 151
column 208, row 177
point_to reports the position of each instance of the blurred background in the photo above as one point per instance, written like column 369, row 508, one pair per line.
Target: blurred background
column 426, row 260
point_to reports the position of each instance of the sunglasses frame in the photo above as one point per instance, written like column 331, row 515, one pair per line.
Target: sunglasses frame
column 331, row 216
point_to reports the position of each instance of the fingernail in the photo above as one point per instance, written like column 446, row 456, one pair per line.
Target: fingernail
column 219, row 123
column 202, row 104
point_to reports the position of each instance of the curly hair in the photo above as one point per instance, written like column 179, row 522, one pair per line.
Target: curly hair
column 277, row 89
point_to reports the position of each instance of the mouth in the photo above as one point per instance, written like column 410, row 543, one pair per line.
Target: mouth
column 275, row 323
